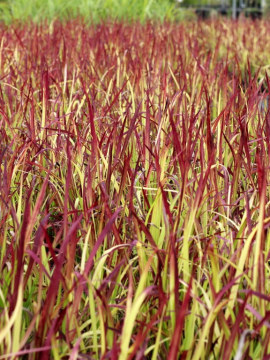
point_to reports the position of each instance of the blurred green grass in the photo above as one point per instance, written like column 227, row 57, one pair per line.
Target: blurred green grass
column 91, row 10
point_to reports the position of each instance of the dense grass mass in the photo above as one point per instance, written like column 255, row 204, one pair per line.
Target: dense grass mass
column 134, row 204
column 90, row 10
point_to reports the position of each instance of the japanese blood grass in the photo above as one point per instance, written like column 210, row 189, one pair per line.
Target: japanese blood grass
column 134, row 207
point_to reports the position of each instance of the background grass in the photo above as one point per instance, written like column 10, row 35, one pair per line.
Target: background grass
column 90, row 10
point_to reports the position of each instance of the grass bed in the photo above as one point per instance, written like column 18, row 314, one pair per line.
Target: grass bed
column 134, row 194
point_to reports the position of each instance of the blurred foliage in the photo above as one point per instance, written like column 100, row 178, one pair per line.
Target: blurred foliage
column 90, row 10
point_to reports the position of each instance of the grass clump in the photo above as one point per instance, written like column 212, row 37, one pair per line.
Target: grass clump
column 134, row 194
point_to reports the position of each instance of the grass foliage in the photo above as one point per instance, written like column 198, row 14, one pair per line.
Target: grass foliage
column 91, row 10
column 134, row 194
